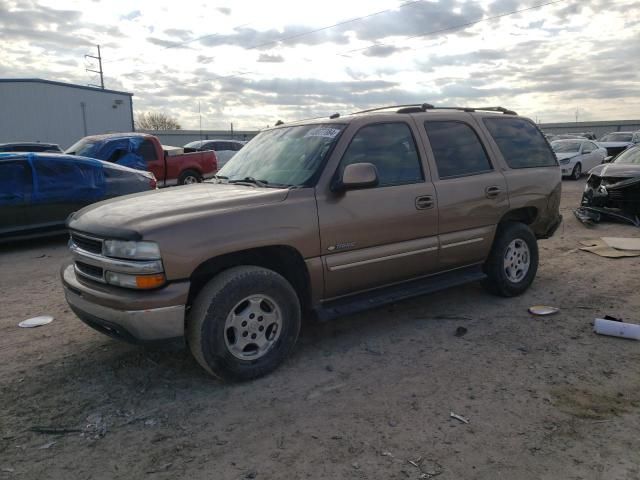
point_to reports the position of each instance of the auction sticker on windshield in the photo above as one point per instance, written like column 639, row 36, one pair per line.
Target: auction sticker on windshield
column 323, row 132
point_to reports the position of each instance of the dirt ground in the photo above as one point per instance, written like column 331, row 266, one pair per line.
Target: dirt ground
column 367, row 396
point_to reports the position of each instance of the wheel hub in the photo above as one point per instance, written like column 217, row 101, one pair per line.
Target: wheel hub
column 517, row 260
column 252, row 327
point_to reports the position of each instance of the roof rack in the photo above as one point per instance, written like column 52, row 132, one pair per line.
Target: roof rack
column 423, row 107
column 417, row 108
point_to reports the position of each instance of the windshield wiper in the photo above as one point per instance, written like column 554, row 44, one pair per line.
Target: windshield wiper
column 250, row 180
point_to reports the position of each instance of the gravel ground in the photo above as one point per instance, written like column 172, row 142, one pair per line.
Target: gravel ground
column 365, row 396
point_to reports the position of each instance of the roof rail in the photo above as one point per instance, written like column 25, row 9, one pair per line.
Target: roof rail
column 417, row 108
column 506, row 111
column 423, row 106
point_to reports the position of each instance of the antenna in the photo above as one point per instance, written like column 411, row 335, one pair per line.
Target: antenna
column 99, row 58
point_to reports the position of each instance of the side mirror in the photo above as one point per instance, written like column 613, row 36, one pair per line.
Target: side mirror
column 357, row 175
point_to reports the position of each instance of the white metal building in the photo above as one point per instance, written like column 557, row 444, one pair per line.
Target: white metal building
column 34, row 110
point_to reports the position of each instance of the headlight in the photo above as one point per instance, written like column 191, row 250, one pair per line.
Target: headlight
column 131, row 250
column 564, row 161
column 135, row 281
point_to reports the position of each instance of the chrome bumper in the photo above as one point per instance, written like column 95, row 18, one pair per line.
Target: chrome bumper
column 145, row 325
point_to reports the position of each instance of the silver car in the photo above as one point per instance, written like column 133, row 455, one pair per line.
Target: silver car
column 225, row 149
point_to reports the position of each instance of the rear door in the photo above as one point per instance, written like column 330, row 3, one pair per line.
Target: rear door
column 472, row 191
column 384, row 234
column 15, row 195
column 149, row 153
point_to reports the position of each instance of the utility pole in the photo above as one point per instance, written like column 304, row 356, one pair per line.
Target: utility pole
column 99, row 58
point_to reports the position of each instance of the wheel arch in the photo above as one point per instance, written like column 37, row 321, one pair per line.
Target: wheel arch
column 282, row 259
column 526, row 215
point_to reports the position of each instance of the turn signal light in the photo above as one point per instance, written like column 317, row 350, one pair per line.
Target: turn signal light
column 150, row 281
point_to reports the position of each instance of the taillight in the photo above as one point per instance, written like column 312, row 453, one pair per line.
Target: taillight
column 153, row 183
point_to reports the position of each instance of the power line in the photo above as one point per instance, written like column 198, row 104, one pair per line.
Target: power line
column 456, row 27
column 286, row 38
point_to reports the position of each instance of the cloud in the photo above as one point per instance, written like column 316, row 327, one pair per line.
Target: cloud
column 179, row 33
column 382, row 51
column 224, row 10
column 131, row 15
column 266, row 58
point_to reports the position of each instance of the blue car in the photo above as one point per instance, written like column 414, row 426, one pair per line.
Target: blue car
column 38, row 191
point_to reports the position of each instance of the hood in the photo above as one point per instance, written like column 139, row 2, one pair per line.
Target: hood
column 614, row 144
column 563, row 155
column 618, row 170
column 130, row 216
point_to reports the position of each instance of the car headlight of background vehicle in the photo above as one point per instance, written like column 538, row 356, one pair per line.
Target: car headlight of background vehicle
column 131, row 250
column 564, row 161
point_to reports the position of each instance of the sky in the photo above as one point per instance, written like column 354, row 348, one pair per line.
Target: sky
column 255, row 62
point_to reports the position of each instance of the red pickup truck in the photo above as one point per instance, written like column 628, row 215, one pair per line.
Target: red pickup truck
column 170, row 165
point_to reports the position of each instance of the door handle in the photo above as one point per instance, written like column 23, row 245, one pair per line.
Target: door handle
column 492, row 192
column 424, row 202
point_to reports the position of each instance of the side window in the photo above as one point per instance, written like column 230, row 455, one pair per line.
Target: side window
column 63, row 180
column 15, row 182
column 520, row 142
column 457, row 149
column 391, row 148
column 147, row 151
column 235, row 146
column 586, row 147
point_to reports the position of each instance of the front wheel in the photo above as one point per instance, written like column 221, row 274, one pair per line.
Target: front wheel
column 244, row 323
column 513, row 261
column 189, row 177
column 577, row 172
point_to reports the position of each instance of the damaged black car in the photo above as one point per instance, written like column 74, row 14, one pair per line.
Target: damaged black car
column 613, row 190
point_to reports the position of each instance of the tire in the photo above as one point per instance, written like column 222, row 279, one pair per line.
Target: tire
column 506, row 275
column 189, row 177
column 577, row 172
column 216, row 334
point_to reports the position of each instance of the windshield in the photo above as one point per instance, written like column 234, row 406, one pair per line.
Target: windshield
column 284, row 156
column 565, row 147
column 629, row 157
column 616, row 137
column 83, row 148
column 196, row 144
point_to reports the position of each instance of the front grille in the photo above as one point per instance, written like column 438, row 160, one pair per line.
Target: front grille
column 87, row 244
column 90, row 270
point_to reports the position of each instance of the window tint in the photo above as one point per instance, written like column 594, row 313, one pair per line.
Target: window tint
column 457, row 149
column 15, row 182
column 520, row 142
column 147, row 151
column 235, row 146
column 391, row 148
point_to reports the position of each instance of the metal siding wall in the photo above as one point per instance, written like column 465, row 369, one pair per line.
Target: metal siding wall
column 179, row 138
column 598, row 128
column 32, row 111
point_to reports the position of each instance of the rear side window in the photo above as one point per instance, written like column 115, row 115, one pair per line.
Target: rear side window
column 520, row 142
column 391, row 148
column 147, row 151
column 457, row 149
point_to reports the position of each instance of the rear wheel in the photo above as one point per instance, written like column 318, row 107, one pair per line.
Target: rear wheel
column 577, row 172
column 188, row 177
column 244, row 323
column 513, row 261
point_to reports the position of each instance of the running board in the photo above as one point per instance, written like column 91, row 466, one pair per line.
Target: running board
column 382, row 296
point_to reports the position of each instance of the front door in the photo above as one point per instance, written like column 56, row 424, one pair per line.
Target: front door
column 384, row 234
column 472, row 192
